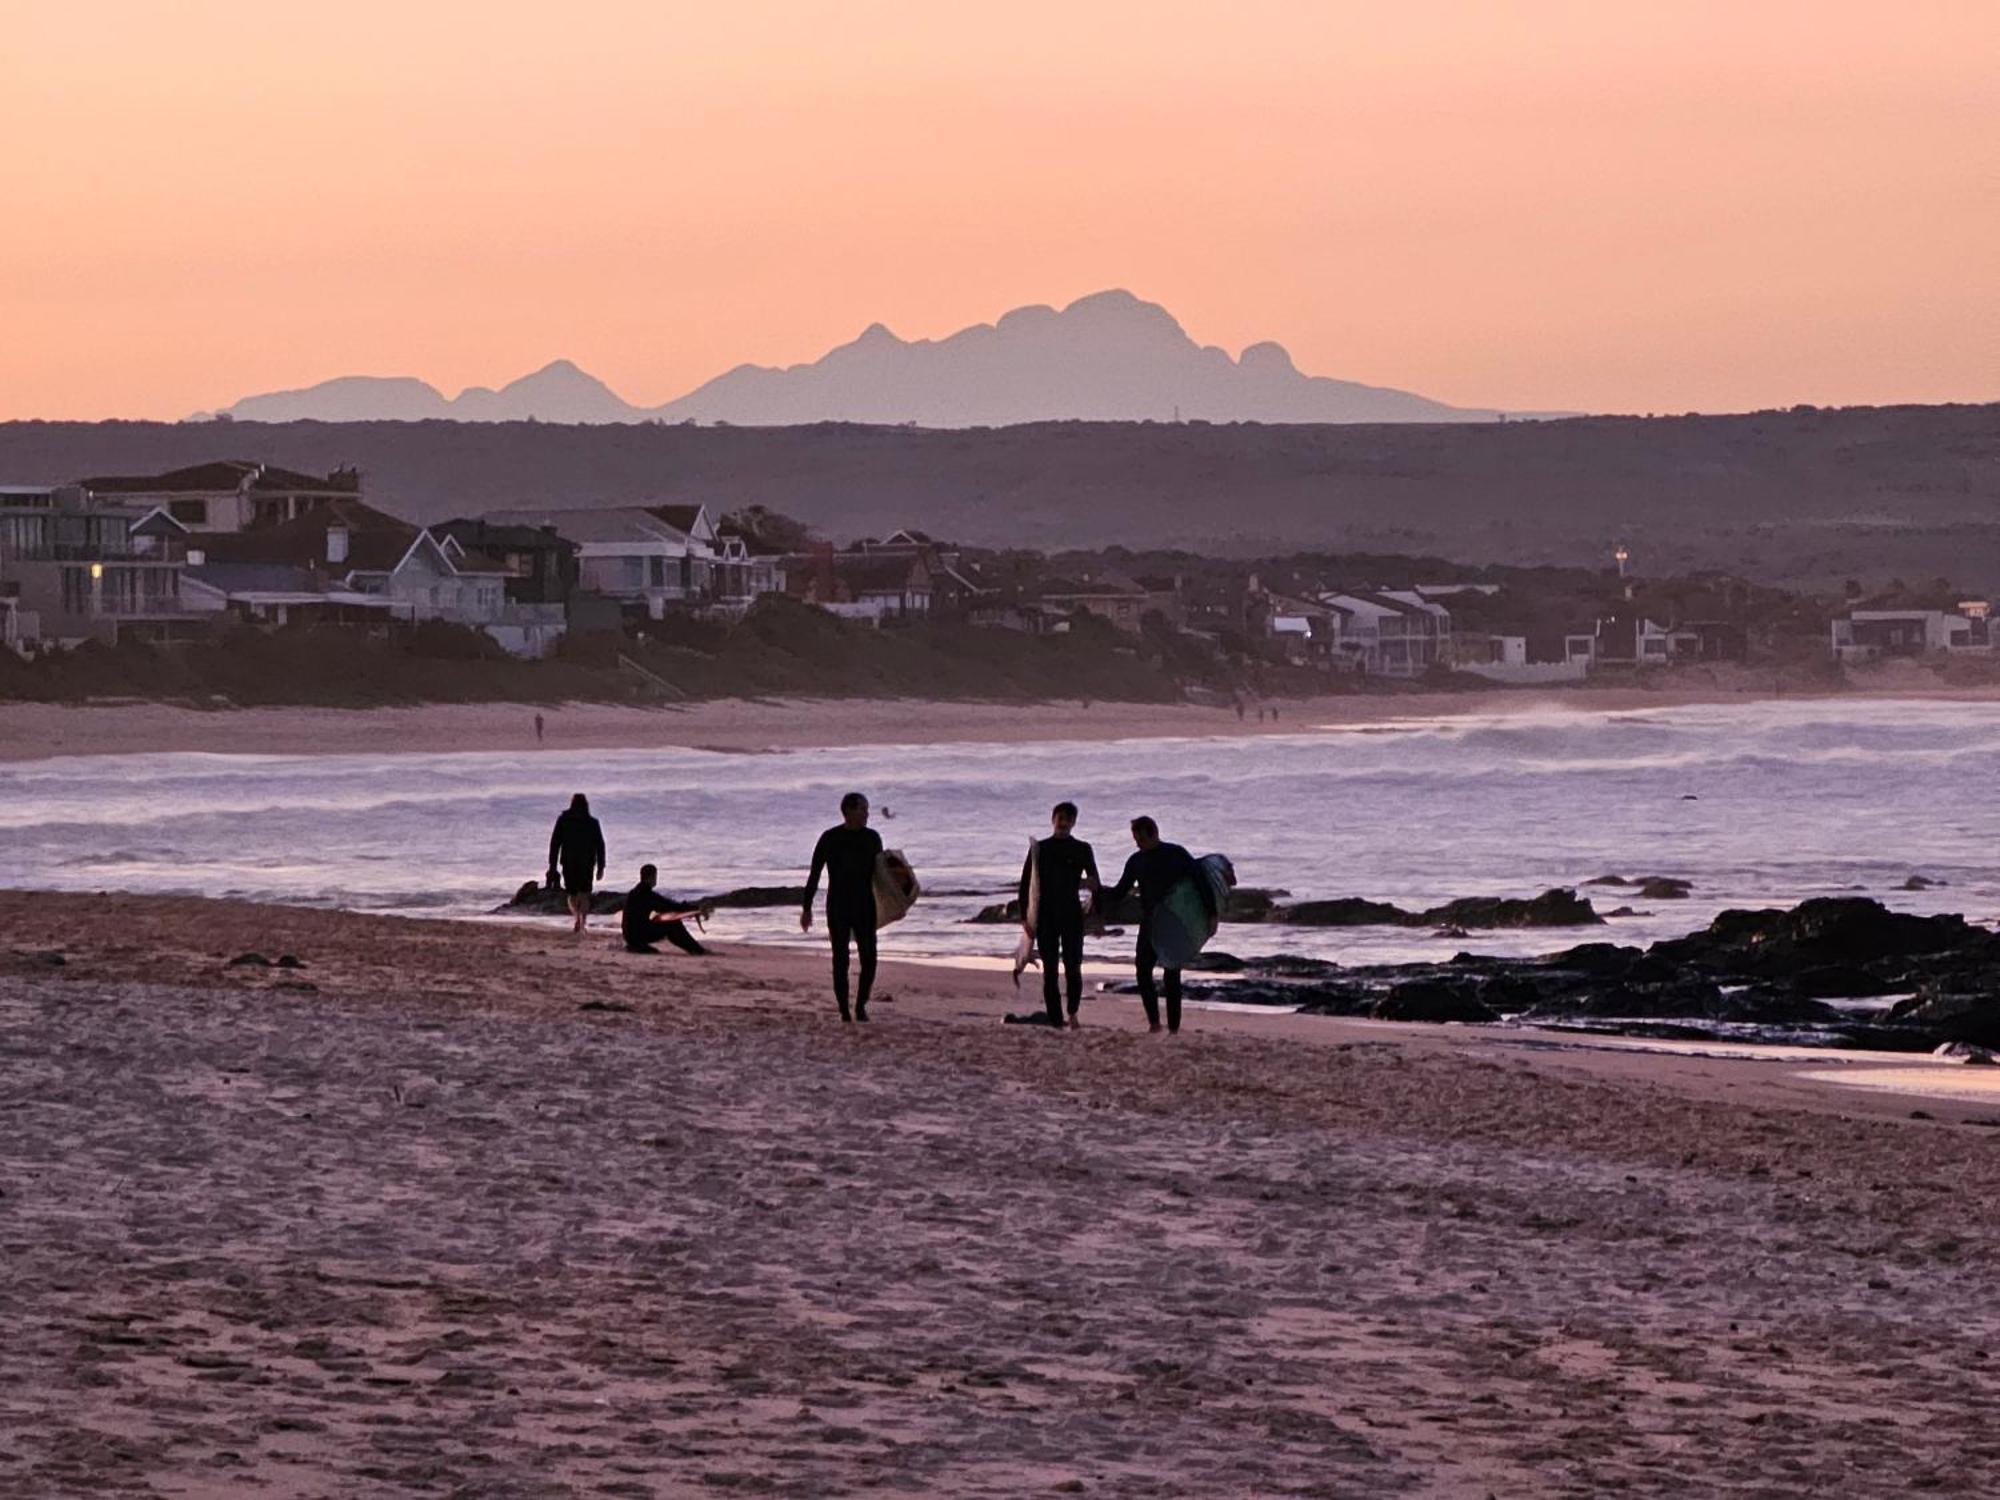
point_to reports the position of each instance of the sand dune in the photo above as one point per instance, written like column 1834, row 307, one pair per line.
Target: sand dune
column 409, row 1220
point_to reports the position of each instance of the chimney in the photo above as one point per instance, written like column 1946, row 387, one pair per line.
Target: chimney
column 336, row 544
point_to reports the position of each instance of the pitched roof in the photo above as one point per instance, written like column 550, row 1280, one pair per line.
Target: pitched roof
column 226, row 475
column 681, row 517
column 488, row 535
column 257, row 578
column 630, row 524
column 376, row 541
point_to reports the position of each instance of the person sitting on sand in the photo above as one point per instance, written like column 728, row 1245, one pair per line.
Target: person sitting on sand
column 576, row 849
column 1055, row 870
column 847, row 853
column 643, row 918
column 1156, row 869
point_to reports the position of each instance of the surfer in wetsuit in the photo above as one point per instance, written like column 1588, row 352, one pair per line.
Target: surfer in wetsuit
column 1055, row 869
column 576, row 848
column 847, row 853
column 640, row 919
column 1156, row 868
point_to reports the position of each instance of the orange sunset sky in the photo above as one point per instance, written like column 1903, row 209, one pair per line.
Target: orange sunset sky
column 1659, row 206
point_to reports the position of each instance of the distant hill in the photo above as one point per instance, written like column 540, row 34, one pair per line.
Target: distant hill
column 1108, row 357
column 1802, row 495
column 558, row 392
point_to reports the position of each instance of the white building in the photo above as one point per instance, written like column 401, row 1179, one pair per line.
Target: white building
column 1397, row 633
column 1871, row 634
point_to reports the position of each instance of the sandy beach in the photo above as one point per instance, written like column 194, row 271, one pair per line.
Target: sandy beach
column 475, row 1209
column 34, row 731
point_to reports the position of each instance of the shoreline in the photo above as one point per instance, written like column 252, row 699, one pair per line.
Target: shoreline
column 44, row 731
column 974, row 992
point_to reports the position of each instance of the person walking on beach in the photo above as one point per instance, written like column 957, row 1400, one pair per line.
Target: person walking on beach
column 1156, row 868
column 642, row 922
column 1052, row 911
column 576, row 850
column 538, row 729
column 847, row 853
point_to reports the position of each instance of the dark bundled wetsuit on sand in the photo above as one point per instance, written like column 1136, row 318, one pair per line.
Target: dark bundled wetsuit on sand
column 641, row 932
column 1064, row 862
column 576, row 847
column 1156, row 871
column 848, row 856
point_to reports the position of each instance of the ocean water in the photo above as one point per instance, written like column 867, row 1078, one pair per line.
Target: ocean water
column 1756, row 804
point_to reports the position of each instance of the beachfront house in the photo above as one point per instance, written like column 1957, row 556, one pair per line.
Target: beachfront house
column 647, row 559
column 861, row 585
column 1303, row 631
column 1393, row 633
column 76, row 569
column 1632, row 640
column 1873, row 634
column 1119, row 601
column 228, row 495
column 1521, row 659
column 368, row 565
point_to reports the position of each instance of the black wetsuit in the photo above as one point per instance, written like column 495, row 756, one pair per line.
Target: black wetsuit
column 576, row 847
column 848, row 856
column 641, row 932
column 1156, row 871
column 1059, row 915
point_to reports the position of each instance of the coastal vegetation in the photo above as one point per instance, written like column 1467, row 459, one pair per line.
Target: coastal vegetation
column 779, row 648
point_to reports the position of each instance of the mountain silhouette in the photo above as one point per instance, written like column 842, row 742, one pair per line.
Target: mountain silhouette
column 1105, row 357
column 557, row 392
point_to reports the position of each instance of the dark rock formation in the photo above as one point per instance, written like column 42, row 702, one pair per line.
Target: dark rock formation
column 1346, row 911
column 1558, row 908
column 1973, row 1019
column 1434, row 1000
column 1550, row 909
column 1749, row 975
column 534, row 899
column 1652, row 887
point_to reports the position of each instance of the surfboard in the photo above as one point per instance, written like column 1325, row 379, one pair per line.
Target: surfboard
column 1181, row 925
column 896, row 888
column 1024, row 951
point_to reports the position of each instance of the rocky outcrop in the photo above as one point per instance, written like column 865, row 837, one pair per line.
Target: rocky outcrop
column 1971, row 1019
column 1749, row 975
column 1434, row 1000
column 534, row 899
column 1651, row 887
column 1243, row 904
column 1557, row 908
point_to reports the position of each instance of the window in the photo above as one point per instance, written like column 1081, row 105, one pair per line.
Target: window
column 189, row 512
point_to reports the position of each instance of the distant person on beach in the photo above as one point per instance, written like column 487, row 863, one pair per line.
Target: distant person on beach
column 576, row 851
column 1055, row 871
column 643, row 920
column 847, row 853
column 1156, row 868
column 538, row 729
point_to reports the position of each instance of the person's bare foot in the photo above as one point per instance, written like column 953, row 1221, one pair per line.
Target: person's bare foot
column 1154, row 1027
column 1074, row 1023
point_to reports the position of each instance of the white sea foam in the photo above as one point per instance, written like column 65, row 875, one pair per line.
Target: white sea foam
column 1757, row 804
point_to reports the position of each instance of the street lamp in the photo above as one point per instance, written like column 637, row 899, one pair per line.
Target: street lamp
column 1622, row 555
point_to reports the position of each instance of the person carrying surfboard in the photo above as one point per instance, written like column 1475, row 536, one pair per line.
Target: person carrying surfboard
column 1157, row 868
column 848, row 854
column 647, row 916
column 1052, row 910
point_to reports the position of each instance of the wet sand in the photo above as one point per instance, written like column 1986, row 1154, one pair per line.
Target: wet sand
column 33, row 731
column 411, row 1219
